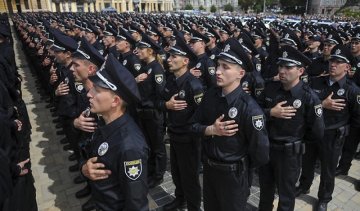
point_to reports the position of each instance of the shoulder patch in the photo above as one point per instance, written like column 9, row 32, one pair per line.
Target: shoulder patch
column 198, row 98
column 133, row 169
column 319, row 110
column 79, row 87
column 159, row 78
column 258, row 122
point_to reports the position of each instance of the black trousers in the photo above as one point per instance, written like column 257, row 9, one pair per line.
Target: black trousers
column 152, row 125
column 184, row 159
column 225, row 190
column 349, row 148
column 328, row 150
column 281, row 172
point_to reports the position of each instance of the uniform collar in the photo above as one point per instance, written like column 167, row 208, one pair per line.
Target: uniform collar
column 296, row 90
column 202, row 55
column 341, row 82
column 181, row 79
column 232, row 96
column 108, row 129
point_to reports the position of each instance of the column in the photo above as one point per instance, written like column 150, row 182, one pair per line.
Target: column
column 123, row 6
column 53, row 7
column 92, row 7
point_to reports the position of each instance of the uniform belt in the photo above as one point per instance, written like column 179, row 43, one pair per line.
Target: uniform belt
column 225, row 166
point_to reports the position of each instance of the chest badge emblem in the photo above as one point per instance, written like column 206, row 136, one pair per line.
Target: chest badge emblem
column 297, row 103
column 124, row 62
column 340, row 92
column 233, row 112
column 103, row 148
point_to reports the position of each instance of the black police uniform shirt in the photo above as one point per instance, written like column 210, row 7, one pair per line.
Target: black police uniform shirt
column 67, row 103
column 207, row 67
column 131, row 62
column 317, row 67
column 263, row 53
column 152, row 87
column 312, row 55
column 251, row 139
column 342, row 89
column 355, row 66
column 212, row 53
column 98, row 46
column 189, row 89
column 111, row 50
column 121, row 147
column 308, row 121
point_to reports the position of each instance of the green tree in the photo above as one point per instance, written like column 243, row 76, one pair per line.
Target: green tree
column 228, row 7
column 201, row 7
column 212, row 8
column 189, row 7
column 246, row 4
column 293, row 6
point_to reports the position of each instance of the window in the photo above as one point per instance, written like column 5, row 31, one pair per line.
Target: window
column 39, row 4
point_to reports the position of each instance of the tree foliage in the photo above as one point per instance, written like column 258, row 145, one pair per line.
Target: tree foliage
column 201, row 7
column 189, row 7
column 228, row 7
column 213, row 8
column 256, row 5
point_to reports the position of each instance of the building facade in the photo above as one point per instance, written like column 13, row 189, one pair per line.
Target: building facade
column 206, row 4
column 325, row 7
column 14, row 6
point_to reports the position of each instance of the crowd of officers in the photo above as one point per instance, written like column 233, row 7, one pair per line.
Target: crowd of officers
column 234, row 98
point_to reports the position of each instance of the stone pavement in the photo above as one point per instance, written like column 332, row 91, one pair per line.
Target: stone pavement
column 54, row 183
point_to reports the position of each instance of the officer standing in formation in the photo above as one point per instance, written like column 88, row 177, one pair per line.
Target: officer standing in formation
column 158, row 67
column 294, row 114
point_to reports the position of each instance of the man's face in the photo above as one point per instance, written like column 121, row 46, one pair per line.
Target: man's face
column 228, row 73
column 80, row 69
column 327, row 49
column 60, row 56
column 289, row 75
column 143, row 53
column 314, row 44
column 338, row 68
column 90, row 36
column 224, row 37
column 121, row 45
column 176, row 62
column 100, row 99
column 197, row 46
column 258, row 42
column 355, row 47
column 108, row 40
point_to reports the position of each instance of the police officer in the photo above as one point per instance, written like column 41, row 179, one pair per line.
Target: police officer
column 212, row 48
column 182, row 95
column 340, row 100
column 151, row 84
column 235, row 135
column 205, row 67
column 352, row 141
column 118, row 164
column 313, row 49
column 124, row 45
column 293, row 112
column 91, row 35
column 109, row 41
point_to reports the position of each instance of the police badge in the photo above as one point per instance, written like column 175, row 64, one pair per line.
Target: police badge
column 149, row 71
column 198, row 65
column 358, row 99
column 258, row 91
column 258, row 122
column 124, row 62
column 211, row 70
column 137, row 67
column 318, row 110
column 79, row 87
column 159, row 78
column 182, row 94
column 66, row 80
column 297, row 103
column 103, row 148
column 258, row 67
column 212, row 56
column 358, row 64
column 232, row 112
column 340, row 92
column 133, row 169
column 198, row 98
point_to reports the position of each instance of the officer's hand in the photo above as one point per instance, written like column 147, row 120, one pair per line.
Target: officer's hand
column 22, row 167
column 18, row 124
column 141, row 77
column 62, row 89
column 333, row 104
column 175, row 105
column 225, row 128
column 95, row 171
column 195, row 72
column 86, row 124
column 283, row 112
column 53, row 78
